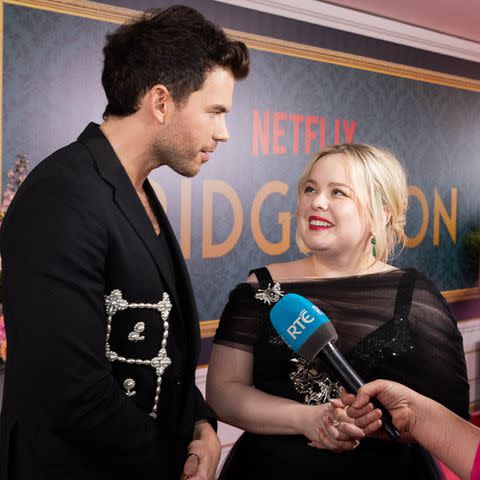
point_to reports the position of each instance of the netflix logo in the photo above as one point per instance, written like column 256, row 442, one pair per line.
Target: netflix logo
column 282, row 133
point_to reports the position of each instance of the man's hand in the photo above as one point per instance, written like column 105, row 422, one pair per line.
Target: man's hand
column 203, row 453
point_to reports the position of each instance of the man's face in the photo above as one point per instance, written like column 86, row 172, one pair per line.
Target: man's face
column 193, row 129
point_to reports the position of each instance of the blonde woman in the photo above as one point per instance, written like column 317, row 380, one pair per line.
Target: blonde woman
column 392, row 323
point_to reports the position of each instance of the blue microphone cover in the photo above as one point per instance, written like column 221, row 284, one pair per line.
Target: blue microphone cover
column 302, row 325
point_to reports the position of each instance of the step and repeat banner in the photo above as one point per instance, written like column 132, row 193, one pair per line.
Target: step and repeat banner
column 239, row 212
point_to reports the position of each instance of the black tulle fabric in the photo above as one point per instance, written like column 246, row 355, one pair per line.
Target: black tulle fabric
column 393, row 325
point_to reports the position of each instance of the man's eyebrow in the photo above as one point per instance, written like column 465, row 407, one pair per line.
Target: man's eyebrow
column 220, row 108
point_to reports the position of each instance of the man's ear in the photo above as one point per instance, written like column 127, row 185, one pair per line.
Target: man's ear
column 159, row 102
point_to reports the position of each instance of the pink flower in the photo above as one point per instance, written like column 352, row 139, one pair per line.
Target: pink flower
column 3, row 335
column 16, row 176
column 3, row 340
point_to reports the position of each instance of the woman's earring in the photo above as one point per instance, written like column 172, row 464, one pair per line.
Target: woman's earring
column 373, row 240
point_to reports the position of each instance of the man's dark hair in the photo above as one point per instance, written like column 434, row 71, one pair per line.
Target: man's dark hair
column 176, row 47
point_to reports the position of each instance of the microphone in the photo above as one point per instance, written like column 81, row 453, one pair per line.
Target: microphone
column 309, row 332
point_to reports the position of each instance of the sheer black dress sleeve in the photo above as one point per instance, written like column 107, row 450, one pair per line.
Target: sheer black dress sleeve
column 420, row 347
column 240, row 322
column 439, row 349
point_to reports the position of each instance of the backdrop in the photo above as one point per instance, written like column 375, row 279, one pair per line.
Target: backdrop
column 238, row 213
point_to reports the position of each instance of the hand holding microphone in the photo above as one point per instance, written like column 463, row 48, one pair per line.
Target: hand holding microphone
column 309, row 332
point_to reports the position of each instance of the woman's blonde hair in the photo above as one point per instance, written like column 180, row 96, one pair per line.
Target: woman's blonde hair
column 379, row 188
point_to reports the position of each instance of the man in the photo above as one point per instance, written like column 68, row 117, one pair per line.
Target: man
column 101, row 321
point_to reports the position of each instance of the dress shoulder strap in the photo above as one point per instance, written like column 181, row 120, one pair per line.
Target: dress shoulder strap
column 405, row 291
column 263, row 276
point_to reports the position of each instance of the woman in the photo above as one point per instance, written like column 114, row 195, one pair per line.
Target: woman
column 450, row 438
column 392, row 323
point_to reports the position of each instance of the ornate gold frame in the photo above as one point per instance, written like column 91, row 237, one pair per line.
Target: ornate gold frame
column 109, row 13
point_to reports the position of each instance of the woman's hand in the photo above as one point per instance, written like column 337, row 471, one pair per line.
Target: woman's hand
column 329, row 427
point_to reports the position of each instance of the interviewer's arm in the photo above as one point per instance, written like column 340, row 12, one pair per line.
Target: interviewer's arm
column 448, row 437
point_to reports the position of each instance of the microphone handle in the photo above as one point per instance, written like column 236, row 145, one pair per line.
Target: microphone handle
column 352, row 382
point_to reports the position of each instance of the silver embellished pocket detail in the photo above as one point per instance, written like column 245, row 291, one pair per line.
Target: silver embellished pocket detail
column 115, row 303
column 134, row 335
column 129, row 385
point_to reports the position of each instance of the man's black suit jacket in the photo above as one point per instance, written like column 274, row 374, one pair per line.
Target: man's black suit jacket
column 75, row 231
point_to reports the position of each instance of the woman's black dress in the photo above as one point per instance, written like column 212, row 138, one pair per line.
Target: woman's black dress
column 393, row 325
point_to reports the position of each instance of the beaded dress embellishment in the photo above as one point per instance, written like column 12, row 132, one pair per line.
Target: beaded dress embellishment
column 308, row 379
column 270, row 294
column 115, row 303
column 392, row 339
column 315, row 385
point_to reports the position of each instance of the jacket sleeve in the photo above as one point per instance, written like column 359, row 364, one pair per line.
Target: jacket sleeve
column 203, row 410
column 54, row 246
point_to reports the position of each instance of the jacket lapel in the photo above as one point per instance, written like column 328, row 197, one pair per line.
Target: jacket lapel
column 187, row 298
column 128, row 202
column 125, row 196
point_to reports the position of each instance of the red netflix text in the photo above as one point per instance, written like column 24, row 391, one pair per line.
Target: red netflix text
column 271, row 132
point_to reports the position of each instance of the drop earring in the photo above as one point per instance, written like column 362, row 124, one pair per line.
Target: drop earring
column 373, row 241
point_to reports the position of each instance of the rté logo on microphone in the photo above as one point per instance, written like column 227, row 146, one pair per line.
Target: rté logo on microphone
column 304, row 317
